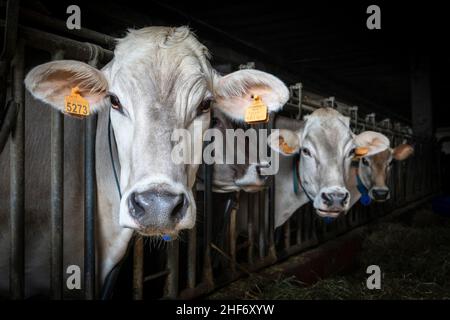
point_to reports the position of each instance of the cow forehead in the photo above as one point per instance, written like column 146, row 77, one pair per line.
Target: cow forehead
column 163, row 64
column 381, row 158
column 327, row 134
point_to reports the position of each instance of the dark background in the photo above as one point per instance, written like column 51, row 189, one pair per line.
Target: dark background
column 325, row 45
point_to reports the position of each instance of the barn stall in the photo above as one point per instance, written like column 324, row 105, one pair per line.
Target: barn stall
column 367, row 77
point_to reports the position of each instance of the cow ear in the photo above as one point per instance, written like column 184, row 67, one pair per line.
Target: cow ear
column 375, row 142
column 402, row 152
column 233, row 93
column 51, row 82
column 284, row 141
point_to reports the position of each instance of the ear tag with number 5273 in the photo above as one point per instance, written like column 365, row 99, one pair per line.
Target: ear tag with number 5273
column 257, row 111
column 75, row 104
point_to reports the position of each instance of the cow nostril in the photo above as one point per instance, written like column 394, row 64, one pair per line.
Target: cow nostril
column 344, row 200
column 179, row 208
column 326, row 198
column 135, row 208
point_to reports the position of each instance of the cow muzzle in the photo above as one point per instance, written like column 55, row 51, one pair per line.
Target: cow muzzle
column 379, row 194
column 332, row 201
column 157, row 211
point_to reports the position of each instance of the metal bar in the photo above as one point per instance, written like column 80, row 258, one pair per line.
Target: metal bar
column 207, row 216
column 287, row 234
column 57, row 197
column 250, row 228
column 90, row 196
column 89, row 207
column 192, row 258
column 232, row 233
column 262, row 225
column 50, row 43
column 10, row 32
column 173, row 266
column 7, row 53
column 8, row 124
column 299, row 231
column 138, row 268
column 59, row 25
column 17, row 156
column 271, row 195
column 157, row 275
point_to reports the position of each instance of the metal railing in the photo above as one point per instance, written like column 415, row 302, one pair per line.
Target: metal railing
column 197, row 263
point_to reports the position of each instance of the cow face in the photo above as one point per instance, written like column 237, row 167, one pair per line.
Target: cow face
column 159, row 80
column 374, row 170
column 237, row 176
column 326, row 146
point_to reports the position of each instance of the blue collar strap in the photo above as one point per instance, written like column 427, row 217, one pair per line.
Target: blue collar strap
column 365, row 198
column 295, row 173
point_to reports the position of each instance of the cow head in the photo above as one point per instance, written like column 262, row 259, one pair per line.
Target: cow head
column 159, row 80
column 237, row 176
column 326, row 146
column 374, row 168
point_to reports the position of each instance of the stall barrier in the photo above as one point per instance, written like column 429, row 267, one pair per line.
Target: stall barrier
column 199, row 263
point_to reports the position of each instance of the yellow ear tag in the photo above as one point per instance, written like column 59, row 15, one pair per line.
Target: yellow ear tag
column 285, row 147
column 75, row 104
column 257, row 112
column 360, row 152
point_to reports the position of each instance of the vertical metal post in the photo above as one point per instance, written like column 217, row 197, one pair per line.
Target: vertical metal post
column 57, row 198
column 18, row 180
column 90, row 195
column 89, row 207
column 299, row 232
column 232, row 232
column 207, row 216
column 192, row 258
column 173, row 267
column 271, row 192
column 287, row 234
column 262, row 225
column 250, row 228
column 138, row 268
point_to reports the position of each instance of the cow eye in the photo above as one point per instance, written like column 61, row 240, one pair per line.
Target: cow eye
column 365, row 161
column 351, row 154
column 306, row 152
column 115, row 102
column 204, row 107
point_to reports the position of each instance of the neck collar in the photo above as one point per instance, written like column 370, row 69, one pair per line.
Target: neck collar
column 365, row 199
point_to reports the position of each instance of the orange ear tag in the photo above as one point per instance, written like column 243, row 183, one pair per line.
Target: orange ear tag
column 257, row 112
column 360, row 152
column 285, row 147
column 76, row 105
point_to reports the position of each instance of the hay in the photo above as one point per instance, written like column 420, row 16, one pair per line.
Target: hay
column 413, row 254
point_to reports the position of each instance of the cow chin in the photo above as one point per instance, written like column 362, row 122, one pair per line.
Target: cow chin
column 327, row 213
column 332, row 201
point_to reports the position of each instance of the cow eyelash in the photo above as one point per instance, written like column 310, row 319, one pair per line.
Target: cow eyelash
column 351, row 154
column 115, row 102
column 204, row 106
